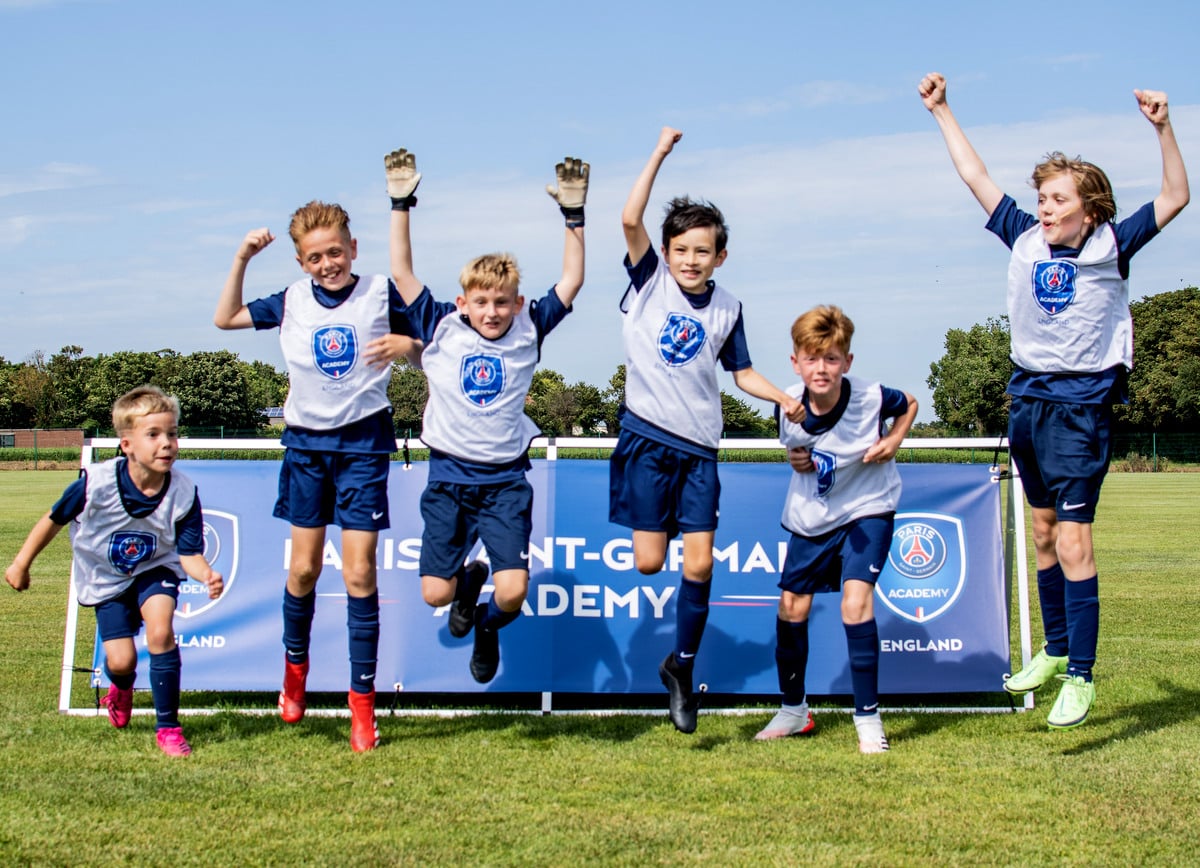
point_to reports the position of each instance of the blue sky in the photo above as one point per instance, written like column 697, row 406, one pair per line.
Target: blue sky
column 141, row 140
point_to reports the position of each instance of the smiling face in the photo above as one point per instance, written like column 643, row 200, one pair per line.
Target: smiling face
column 692, row 257
column 1061, row 212
column 821, row 371
column 490, row 310
column 151, row 445
column 325, row 253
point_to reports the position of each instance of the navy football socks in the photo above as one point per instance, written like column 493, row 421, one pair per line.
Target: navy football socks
column 164, row 687
column 862, row 642
column 691, row 616
column 1054, row 611
column 362, row 627
column 297, row 624
column 1083, row 623
column 493, row 617
column 791, row 659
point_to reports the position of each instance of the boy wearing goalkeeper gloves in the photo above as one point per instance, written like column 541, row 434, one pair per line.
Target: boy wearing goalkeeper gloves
column 479, row 357
column 1072, row 345
column 340, row 334
column 677, row 325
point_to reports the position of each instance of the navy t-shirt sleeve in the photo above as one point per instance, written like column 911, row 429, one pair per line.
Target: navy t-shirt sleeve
column 425, row 313
column 547, row 312
column 71, row 503
column 189, row 530
column 1133, row 233
column 398, row 323
column 267, row 313
column 895, row 403
column 1008, row 221
column 641, row 271
column 735, row 352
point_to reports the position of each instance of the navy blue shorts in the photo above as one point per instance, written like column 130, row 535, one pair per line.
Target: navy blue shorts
column 653, row 487
column 819, row 564
column 1062, row 452
column 457, row 515
column 121, row 617
column 347, row 489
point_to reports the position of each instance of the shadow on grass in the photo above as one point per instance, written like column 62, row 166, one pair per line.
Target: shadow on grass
column 1176, row 706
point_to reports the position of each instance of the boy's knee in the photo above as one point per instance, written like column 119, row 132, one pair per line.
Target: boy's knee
column 436, row 591
column 648, row 564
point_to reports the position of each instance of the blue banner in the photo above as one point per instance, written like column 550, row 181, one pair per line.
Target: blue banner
column 592, row 623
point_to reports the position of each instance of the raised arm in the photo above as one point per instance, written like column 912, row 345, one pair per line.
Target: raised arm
column 231, row 312
column 967, row 163
column 402, row 181
column 753, row 383
column 570, row 192
column 637, row 239
column 1174, row 195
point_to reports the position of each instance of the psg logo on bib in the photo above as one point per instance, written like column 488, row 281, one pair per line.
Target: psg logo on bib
column 926, row 567
column 825, row 466
column 1054, row 284
column 482, row 378
column 680, row 340
column 335, row 350
column 129, row 548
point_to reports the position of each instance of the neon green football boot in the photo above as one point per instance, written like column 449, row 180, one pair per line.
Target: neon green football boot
column 1075, row 699
column 1037, row 672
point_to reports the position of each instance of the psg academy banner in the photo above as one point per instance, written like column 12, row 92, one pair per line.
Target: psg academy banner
column 592, row 623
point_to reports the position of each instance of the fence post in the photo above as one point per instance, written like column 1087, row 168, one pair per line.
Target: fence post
column 35, row 449
column 1154, row 449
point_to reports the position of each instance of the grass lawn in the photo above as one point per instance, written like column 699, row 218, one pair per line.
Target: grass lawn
column 628, row 790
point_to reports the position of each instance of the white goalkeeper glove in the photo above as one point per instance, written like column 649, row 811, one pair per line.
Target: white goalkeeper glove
column 402, row 178
column 571, row 191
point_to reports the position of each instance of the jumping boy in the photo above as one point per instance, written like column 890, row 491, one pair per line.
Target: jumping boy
column 340, row 334
column 136, row 532
column 480, row 353
column 840, row 514
column 678, row 324
column 1072, row 345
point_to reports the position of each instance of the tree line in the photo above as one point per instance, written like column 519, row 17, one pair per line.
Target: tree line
column 969, row 380
column 218, row 390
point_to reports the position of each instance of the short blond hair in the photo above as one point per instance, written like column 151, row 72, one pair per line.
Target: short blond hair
column 318, row 215
column 1093, row 185
column 139, row 402
column 491, row 271
column 822, row 327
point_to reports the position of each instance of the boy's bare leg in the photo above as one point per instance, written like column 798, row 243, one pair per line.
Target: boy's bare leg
column 649, row 551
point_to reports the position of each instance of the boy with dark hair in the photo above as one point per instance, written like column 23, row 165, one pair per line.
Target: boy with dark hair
column 479, row 358
column 1072, row 347
column 678, row 324
column 137, row 531
column 340, row 334
column 840, row 510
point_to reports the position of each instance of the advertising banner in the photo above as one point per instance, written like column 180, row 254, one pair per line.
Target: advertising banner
column 592, row 623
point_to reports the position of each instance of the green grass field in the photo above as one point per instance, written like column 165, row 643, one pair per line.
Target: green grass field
column 509, row 789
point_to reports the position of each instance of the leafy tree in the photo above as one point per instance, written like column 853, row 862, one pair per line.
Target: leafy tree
column 549, row 404
column 614, row 397
column 969, row 381
column 739, row 418
column 70, row 369
column 33, row 393
column 110, row 378
column 589, row 406
column 408, row 391
column 1164, row 386
column 6, row 393
column 212, row 389
column 268, row 387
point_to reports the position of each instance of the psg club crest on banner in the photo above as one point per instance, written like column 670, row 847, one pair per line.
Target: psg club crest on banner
column 335, row 350
column 482, row 378
column 926, row 567
column 128, row 548
column 1054, row 284
column 825, row 466
column 221, row 552
column 680, row 340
